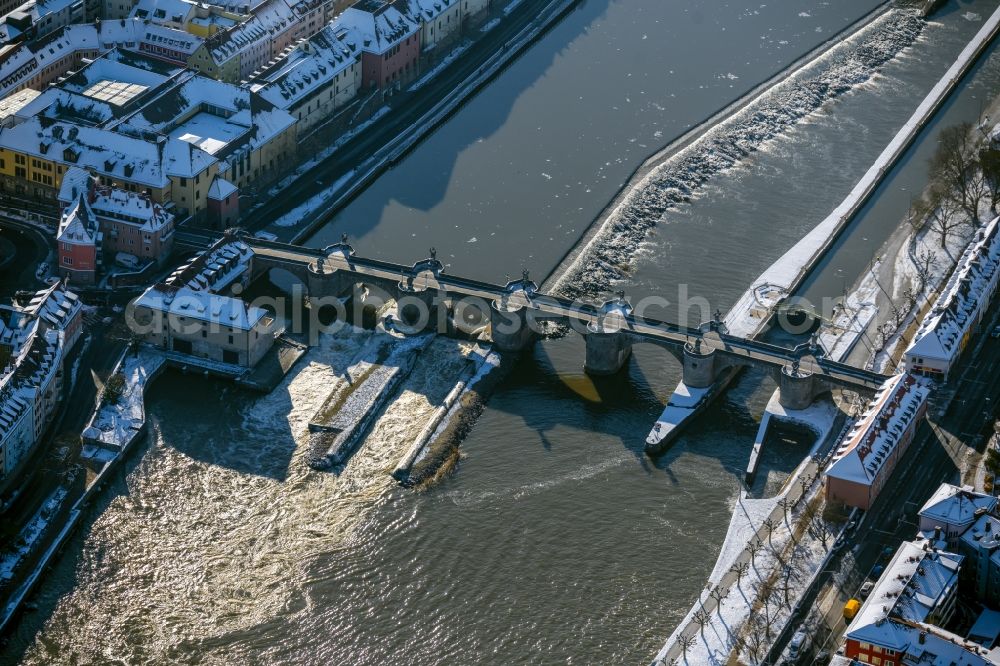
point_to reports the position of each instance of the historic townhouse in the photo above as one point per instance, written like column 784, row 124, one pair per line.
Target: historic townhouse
column 169, row 135
column 390, row 42
column 315, row 79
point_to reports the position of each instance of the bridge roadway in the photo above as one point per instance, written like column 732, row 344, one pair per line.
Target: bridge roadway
column 614, row 316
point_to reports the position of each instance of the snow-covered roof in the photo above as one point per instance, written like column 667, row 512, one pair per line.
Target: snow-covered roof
column 55, row 305
column 915, row 582
column 16, row 330
column 75, row 181
column 12, row 104
column 78, row 225
column 170, row 38
column 132, row 71
column 14, row 404
column 132, row 207
column 427, row 10
column 379, row 25
column 309, row 67
column 59, row 104
column 984, row 534
column 221, row 188
column 201, row 305
column 161, row 11
column 40, row 361
column 272, row 18
column 106, row 152
column 862, row 453
column 954, row 505
column 943, row 329
column 216, row 117
column 215, row 268
column 88, row 39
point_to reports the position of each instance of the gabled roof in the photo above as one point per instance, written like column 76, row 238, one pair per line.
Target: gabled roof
column 944, row 327
column 309, row 67
column 915, row 582
column 427, row 10
column 75, row 182
column 55, row 305
column 221, row 188
column 111, row 153
column 269, row 20
column 215, row 268
column 205, row 306
column 161, row 11
column 952, row 505
column 862, row 453
column 380, row 28
column 78, row 224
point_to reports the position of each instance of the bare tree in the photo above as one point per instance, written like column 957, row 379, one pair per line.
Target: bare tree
column 719, row 594
column 741, row 569
column 701, row 618
column 925, row 262
column 989, row 162
column 769, row 526
column 756, row 642
column 804, row 483
column 789, row 576
column 956, row 167
column 820, row 529
column 942, row 211
column 766, row 590
column 786, row 505
column 687, row 642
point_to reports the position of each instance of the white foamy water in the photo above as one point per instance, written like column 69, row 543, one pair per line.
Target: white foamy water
column 219, row 537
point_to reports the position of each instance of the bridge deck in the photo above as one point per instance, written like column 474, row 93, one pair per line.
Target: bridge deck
column 340, row 258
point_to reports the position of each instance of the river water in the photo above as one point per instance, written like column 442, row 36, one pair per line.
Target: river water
column 556, row 540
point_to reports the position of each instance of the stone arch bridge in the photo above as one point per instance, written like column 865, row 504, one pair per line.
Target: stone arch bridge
column 514, row 309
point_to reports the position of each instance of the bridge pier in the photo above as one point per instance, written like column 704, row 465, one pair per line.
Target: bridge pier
column 699, row 366
column 421, row 309
column 324, row 281
column 609, row 344
column 796, row 388
column 509, row 328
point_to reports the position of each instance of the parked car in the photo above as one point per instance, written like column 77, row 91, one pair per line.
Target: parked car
column 866, row 589
column 798, row 645
column 851, row 609
column 126, row 260
column 995, row 333
column 266, row 235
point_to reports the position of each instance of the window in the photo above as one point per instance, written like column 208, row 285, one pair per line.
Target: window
column 68, row 261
